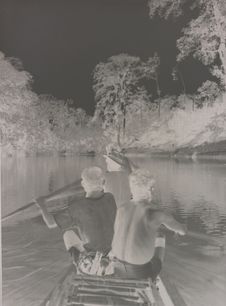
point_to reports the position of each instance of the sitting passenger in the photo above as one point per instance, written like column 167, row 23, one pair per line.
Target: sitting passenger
column 136, row 246
column 87, row 222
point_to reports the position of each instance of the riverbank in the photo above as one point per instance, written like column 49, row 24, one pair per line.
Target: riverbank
column 207, row 151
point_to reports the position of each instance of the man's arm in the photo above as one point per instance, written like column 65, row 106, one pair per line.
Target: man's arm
column 171, row 223
column 47, row 217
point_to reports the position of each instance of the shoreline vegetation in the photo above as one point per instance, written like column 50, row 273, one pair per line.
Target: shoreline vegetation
column 206, row 151
column 210, row 151
column 184, row 125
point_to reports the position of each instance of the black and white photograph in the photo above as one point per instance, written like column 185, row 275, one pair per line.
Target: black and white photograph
column 113, row 152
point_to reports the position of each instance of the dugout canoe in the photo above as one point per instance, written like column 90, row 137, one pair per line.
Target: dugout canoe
column 87, row 290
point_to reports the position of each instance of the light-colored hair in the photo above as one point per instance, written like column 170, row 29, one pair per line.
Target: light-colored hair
column 140, row 182
column 93, row 177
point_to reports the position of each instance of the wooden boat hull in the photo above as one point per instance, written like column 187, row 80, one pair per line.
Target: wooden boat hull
column 86, row 290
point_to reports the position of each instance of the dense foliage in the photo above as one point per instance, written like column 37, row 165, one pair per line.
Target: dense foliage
column 204, row 36
column 30, row 123
column 119, row 90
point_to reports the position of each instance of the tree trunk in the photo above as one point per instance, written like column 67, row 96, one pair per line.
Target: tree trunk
column 159, row 96
column 182, row 81
column 123, row 104
column 193, row 103
column 124, row 120
column 119, row 135
column 184, row 88
column 159, row 107
column 222, row 54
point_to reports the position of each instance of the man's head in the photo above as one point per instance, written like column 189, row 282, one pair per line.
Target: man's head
column 92, row 179
column 141, row 185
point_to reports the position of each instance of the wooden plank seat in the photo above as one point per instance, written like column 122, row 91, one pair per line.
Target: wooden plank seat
column 82, row 290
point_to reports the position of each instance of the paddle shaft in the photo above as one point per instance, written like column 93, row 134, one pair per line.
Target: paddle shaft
column 59, row 193
column 204, row 237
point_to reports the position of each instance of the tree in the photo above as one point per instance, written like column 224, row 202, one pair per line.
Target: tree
column 16, row 100
column 207, row 94
column 166, row 8
column 116, row 82
column 150, row 71
column 59, row 116
column 81, row 117
column 178, row 76
column 29, row 122
column 204, row 37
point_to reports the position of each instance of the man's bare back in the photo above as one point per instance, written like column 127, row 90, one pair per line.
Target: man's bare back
column 136, row 229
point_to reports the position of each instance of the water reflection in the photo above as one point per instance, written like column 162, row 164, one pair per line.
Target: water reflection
column 195, row 192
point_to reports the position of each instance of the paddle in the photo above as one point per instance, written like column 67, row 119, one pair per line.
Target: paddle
column 63, row 192
column 204, row 237
column 200, row 236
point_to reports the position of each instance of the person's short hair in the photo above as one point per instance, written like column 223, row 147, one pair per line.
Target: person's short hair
column 141, row 182
column 94, row 177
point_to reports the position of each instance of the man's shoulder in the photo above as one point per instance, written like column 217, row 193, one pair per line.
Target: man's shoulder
column 76, row 201
column 109, row 197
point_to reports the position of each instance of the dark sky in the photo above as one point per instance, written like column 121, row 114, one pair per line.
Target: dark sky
column 61, row 41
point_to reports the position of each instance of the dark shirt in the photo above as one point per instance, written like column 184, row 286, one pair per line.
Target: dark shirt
column 94, row 220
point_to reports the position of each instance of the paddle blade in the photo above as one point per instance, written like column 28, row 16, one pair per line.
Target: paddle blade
column 206, row 238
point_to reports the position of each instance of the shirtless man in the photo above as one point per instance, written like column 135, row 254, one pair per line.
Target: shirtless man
column 136, row 246
column 87, row 222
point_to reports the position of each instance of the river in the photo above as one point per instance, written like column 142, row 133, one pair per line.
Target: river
column 194, row 192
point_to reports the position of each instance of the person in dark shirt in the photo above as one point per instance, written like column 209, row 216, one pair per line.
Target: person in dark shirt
column 87, row 222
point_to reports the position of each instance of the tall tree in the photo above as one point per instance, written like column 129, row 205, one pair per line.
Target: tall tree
column 203, row 37
column 150, row 71
column 177, row 75
column 115, row 84
column 81, row 117
column 16, row 100
column 59, row 116
column 207, row 94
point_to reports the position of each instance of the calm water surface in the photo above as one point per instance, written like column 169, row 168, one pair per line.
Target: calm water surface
column 195, row 192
